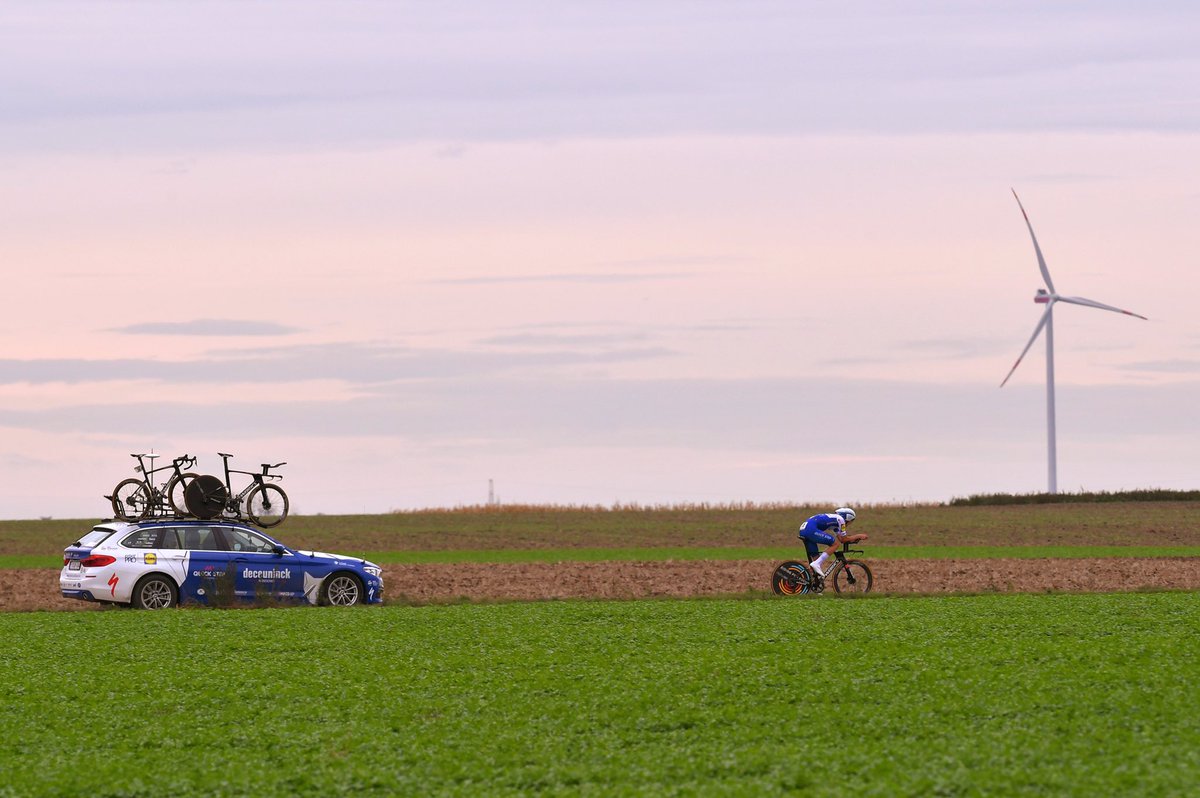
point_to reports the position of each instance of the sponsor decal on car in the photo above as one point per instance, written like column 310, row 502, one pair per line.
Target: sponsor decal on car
column 272, row 573
column 208, row 572
column 151, row 559
column 113, row 583
column 130, row 558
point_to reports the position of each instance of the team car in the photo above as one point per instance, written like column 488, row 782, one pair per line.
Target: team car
column 163, row 563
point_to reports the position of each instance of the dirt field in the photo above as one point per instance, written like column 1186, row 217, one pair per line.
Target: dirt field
column 37, row 589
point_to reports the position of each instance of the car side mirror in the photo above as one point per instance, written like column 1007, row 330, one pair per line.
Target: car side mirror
column 279, row 550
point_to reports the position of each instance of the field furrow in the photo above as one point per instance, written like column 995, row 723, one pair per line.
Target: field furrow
column 37, row 589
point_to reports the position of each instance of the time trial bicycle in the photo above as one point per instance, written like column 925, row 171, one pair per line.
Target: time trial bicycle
column 793, row 578
column 265, row 504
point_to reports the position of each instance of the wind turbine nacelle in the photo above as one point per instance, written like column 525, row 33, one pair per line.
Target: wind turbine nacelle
column 1042, row 297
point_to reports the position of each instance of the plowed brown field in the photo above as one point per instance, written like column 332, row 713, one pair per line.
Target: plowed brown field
column 37, row 589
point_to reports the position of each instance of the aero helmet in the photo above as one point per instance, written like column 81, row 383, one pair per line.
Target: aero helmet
column 846, row 513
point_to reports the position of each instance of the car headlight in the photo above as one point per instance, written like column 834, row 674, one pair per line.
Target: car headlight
column 373, row 570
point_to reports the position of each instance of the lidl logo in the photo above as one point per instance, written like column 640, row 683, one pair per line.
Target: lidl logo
column 151, row 559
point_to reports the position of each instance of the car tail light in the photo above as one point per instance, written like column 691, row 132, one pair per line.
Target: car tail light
column 66, row 560
column 97, row 560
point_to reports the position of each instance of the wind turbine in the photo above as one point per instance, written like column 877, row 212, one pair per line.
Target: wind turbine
column 1049, row 297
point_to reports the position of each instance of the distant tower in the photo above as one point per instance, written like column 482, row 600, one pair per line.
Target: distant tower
column 491, row 493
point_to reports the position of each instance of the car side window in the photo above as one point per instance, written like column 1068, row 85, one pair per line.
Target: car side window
column 170, row 539
column 143, row 538
column 199, row 538
column 244, row 540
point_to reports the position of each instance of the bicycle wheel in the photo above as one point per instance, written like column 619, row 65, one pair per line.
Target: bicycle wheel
column 853, row 577
column 176, row 490
column 790, row 579
column 267, row 505
column 131, row 500
column 205, row 496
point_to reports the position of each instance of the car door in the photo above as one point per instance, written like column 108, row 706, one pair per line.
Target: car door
column 205, row 563
column 260, row 572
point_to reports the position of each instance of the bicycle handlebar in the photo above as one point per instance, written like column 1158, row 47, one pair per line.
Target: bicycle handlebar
column 267, row 467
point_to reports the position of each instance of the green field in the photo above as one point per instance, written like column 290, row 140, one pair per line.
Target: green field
column 715, row 553
column 526, row 534
column 1048, row 694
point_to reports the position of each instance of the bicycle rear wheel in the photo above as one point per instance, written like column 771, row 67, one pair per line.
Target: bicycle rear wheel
column 853, row 577
column 267, row 505
column 205, row 496
column 131, row 500
column 790, row 579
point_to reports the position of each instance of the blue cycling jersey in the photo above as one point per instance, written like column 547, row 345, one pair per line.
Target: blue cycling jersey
column 829, row 523
column 820, row 530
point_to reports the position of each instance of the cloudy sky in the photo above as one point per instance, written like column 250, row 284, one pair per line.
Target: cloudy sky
column 599, row 252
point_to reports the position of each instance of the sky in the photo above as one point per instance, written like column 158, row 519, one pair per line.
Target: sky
column 596, row 252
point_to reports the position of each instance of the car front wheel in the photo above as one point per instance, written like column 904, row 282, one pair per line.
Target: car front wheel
column 342, row 590
column 155, row 592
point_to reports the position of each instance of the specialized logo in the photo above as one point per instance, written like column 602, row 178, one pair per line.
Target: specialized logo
column 112, row 581
column 151, row 559
column 273, row 573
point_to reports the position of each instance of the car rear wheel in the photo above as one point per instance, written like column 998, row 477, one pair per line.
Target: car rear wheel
column 155, row 592
column 342, row 590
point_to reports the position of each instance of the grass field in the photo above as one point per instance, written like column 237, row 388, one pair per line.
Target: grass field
column 508, row 533
column 715, row 553
column 1049, row 694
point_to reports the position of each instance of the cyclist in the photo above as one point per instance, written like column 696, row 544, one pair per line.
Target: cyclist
column 827, row 529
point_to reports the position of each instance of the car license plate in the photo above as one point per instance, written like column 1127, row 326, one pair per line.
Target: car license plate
column 74, row 566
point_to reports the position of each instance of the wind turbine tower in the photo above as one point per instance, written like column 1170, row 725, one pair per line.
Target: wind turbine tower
column 1049, row 297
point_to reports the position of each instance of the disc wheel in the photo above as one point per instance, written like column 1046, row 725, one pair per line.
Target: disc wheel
column 267, row 505
column 177, row 490
column 204, row 496
column 154, row 592
column 853, row 577
column 131, row 500
column 790, row 579
column 342, row 590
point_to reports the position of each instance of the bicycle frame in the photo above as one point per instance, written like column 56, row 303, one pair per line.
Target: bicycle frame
column 234, row 501
column 152, row 500
column 794, row 577
column 141, row 467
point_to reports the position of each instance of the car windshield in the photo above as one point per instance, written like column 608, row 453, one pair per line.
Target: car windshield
column 94, row 538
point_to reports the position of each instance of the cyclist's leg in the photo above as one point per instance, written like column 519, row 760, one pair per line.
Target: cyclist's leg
column 816, row 539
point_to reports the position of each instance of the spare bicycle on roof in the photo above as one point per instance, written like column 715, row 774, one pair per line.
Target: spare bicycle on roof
column 134, row 499
column 265, row 503
column 203, row 496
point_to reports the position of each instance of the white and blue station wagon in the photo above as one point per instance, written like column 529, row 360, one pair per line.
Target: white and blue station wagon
column 163, row 563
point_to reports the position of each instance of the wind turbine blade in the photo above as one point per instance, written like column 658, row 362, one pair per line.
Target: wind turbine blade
column 1032, row 338
column 1091, row 303
column 1036, row 248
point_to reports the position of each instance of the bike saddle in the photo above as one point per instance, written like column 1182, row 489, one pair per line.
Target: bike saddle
column 221, row 454
column 147, row 456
